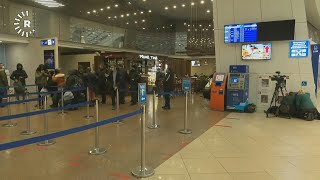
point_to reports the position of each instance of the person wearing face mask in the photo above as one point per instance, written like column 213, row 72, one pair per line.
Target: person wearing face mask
column 168, row 86
column 3, row 82
column 19, row 77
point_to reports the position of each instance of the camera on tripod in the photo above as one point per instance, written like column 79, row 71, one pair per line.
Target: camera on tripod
column 275, row 105
column 281, row 79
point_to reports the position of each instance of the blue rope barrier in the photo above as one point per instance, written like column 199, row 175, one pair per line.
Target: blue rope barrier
column 7, row 87
column 16, row 116
column 45, row 93
column 20, row 102
column 171, row 93
column 24, row 142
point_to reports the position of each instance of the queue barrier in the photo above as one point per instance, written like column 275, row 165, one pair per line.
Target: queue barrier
column 34, row 140
column 4, row 118
column 20, row 102
column 45, row 93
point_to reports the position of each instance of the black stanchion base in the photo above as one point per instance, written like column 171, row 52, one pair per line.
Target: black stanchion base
column 185, row 131
column 10, row 125
column 143, row 172
column 97, row 151
column 47, row 143
column 154, row 126
column 26, row 133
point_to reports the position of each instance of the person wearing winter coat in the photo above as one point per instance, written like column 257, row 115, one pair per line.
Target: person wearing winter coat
column 19, row 77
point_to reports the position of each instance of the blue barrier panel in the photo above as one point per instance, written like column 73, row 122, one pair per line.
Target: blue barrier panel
column 20, row 102
column 3, row 118
column 24, row 142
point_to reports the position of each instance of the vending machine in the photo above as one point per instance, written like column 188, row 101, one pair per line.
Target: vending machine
column 238, row 88
column 218, row 91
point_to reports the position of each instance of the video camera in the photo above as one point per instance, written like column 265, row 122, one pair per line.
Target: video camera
column 281, row 79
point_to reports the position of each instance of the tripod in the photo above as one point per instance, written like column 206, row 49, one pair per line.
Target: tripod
column 274, row 109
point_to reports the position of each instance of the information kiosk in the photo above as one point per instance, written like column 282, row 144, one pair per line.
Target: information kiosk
column 218, row 91
column 238, row 88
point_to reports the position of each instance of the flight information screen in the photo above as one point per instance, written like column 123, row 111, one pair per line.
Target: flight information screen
column 241, row 33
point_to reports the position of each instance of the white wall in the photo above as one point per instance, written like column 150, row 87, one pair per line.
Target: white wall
column 245, row 11
column 70, row 62
column 29, row 55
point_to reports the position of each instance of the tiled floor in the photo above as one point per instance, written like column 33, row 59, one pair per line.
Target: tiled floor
column 68, row 159
column 249, row 147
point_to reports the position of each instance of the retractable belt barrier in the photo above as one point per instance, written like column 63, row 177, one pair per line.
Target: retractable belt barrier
column 7, row 87
column 20, row 102
column 3, row 118
column 24, row 142
column 46, row 93
column 172, row 93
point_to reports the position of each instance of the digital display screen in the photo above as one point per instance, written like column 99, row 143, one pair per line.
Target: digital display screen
column 235, row 80
column 49, row 59
column 240, row 33
column 256, row 51
column 195, row 63
column 219, row 78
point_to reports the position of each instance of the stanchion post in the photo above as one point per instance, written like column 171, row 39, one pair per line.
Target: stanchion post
column 88, row 117
column 46, row 125
column 28, row 123
column 97, row 150
column 10, row 123
column 186, row 130
column 118, row 105
column 62, row 102
column 154, row 124
column 143, row 171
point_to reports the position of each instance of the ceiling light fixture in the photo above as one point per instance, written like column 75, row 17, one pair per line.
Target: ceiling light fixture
column 135, row 14
column 101, row 9
column 108, row 7
column 127, row 23
column 122, row 15
column 208, row 11
column 0, row 41
column 94, row 11
column 166, row 8
column 141, row 12
column 201, row 2
column 128, row 14
column 192, row 3
column 49, row 3
column 136, row 22
column 143, row 20
column 174, row 7
column 88, row 12
column 116, row 5
column 150, row 11
column 183, row 5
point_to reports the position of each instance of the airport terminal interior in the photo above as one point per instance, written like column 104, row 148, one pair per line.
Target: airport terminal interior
column 159, row 89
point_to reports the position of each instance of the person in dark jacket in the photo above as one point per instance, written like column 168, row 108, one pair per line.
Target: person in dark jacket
column 112, row 86
column 168, row 86
column 122, row 79
column 159, row 79
column 102, row 83
column 19, row 77
column 134, row 79
column 3, row 82
column 90, row 79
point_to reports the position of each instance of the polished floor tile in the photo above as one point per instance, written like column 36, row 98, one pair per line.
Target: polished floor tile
column 224, row 176
column 203, row 166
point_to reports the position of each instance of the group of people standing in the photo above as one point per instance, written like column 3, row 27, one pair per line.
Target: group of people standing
column 105, row 81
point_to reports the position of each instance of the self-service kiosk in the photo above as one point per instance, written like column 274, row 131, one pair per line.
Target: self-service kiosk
column 238, row 87
column 218, row 91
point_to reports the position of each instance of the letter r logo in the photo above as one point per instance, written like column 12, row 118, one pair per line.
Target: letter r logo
column 27, row 24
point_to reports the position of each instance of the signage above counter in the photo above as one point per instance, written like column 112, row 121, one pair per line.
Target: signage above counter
column 148, row 57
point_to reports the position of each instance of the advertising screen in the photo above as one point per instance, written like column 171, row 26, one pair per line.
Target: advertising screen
column 240, row 33
column 219, row 78
column 257, row 51
column 49, row 59
column 195, row 63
